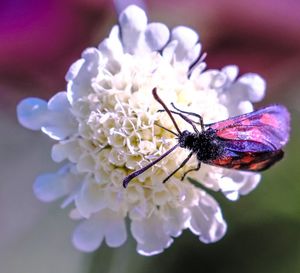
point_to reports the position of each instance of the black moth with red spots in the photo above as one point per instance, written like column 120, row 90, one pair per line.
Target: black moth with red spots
column 249, row 142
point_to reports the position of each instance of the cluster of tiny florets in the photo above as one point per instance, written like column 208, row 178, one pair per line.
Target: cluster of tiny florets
column 107, row 126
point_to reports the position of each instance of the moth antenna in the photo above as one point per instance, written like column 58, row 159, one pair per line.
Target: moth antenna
column 154, row 92
column 128, row 178
column 191, row 113
column 170, row 131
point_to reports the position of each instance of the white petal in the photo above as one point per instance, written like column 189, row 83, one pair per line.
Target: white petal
column 177, row 220
column 141, row 209
column 90, row 199
column 120, row 5
column 32, row 113
column 112, row 51
column 58, row 152
column 207, row 220
column 231, row 72
column 169, row 51
column 150, row 235
column 133, row 22
column 113, row 47
column 229, row 188
column 256, row 84
column 156, row 36
column 86, row 163
column 109, row 49
column 88, row 235
column 197, row 70
column 193, row 54
column 239, row 95
column 218, row 80
column 250, row 184
column 107, row 224
column 51, row 186
column 54, row 119
column 245, row 107
column 81, row 74
column 187, row 40
column 60, row 122
column 59, row 102
column 115, row 233
column 211, row 79
column 74, row 70
column 69, row 149
column 235, row 183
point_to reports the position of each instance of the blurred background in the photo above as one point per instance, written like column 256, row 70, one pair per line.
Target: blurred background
column 38, row 42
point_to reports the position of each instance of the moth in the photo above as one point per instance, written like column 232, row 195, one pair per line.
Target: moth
column 249, row 142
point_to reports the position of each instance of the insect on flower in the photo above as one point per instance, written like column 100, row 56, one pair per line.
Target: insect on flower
column 249, row 142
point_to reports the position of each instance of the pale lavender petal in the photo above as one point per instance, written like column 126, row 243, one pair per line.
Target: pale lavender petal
column 115, row 233
column 120, row 5
column 51, row 186
column 32, row 113
column 54, row 118
column 156, row 36
column 88, row 235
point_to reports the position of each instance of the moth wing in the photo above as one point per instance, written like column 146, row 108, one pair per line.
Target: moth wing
column 249, row 161
column 268, row 127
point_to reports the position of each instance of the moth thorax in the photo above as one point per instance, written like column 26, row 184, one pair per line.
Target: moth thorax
column 187, row 139
column 205, row 144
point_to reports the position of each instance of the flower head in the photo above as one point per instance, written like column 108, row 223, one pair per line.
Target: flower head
column 105, row 127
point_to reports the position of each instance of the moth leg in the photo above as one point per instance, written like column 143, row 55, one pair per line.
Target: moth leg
column 129, row 177
column 191, row 170
column 181, row 165
column 192, row 114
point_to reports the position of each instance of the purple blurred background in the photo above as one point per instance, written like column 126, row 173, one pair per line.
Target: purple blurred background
column 40, row 39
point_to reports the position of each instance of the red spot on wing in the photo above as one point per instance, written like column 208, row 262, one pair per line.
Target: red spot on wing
column 269, row 126
column 249, row 161
column 270, row 120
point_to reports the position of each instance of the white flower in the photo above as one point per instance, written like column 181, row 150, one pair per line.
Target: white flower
column 104, row 127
